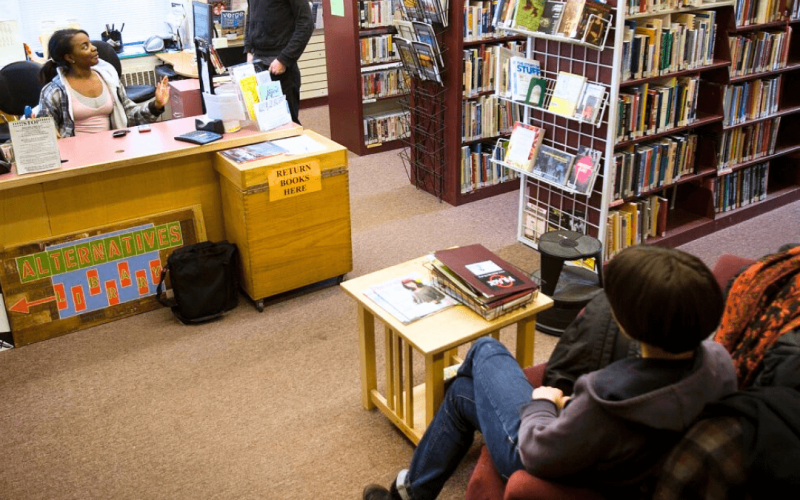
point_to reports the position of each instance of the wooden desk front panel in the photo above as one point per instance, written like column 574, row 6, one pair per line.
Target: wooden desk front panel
column 290, row 243
column 123, row 194
column 64, row 206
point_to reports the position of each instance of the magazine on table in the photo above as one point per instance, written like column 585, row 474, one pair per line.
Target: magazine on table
column 409, row 298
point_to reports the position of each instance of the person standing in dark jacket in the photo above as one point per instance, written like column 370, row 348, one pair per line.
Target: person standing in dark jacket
column 277, row 33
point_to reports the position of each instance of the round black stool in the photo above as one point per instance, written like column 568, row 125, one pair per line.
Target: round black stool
column 570, row 287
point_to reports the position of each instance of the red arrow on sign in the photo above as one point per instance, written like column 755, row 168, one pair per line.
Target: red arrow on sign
column 23, row 306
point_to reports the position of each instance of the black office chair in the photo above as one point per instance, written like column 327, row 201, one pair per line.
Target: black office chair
column 19, row 87
column 136, row 93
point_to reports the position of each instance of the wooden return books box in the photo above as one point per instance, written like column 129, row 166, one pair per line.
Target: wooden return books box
column 290, row 217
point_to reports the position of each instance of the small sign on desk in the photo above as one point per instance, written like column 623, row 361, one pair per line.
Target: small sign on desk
column 35, row 145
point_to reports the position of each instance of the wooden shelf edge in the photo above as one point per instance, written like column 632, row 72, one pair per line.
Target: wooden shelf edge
column 705, row 6
column 781, row 112
column 695, row 124
column 755, row 76
column 760, row 26
column 715, row 65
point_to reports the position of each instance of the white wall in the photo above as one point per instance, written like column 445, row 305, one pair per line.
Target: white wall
column 142, row 18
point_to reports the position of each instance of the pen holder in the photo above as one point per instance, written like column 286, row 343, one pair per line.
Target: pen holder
column 114, row 38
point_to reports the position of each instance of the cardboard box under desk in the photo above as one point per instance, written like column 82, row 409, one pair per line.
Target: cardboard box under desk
column 291, row 242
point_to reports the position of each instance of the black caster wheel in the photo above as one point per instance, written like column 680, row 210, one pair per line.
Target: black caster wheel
column 260, row 305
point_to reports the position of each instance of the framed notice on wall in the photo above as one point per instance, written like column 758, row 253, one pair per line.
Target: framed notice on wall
column 75, row 281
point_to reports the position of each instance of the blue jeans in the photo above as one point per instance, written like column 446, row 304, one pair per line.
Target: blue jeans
column 485, row 396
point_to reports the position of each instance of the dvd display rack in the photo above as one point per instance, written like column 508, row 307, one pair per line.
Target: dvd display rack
column 733, row 155
column 364, row 89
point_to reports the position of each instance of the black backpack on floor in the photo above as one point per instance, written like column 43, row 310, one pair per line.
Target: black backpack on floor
column 204, row 279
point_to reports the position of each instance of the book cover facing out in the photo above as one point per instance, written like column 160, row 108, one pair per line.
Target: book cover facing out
column 552, row 165
column 485, row 271
column 551, row 17
column 529, row 12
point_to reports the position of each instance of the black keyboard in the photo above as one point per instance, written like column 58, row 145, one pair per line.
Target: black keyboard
column 198, row 137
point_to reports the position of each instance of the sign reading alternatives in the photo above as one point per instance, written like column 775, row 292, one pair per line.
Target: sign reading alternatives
column 72, row 282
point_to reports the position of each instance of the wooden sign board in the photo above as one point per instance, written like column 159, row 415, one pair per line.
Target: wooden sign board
column 75, row 281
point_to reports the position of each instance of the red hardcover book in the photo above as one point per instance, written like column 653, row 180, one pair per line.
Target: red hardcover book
column 484, row 271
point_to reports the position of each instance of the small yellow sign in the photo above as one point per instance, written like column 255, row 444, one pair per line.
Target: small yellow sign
column 294, row 180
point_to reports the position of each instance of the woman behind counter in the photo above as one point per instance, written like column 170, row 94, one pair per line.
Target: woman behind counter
column 83, row 93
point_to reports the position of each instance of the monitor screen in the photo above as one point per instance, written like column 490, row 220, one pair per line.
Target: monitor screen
column 203, row 21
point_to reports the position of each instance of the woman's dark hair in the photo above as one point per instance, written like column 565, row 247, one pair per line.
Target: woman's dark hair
column 663, row 297
column 60, row 45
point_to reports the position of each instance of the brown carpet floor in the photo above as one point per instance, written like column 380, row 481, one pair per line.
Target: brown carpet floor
column 254, row 406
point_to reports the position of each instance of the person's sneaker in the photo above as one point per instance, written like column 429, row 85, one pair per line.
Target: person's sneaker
column 378, row 492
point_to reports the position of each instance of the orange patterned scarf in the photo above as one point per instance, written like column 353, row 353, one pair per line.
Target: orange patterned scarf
column 762, row 305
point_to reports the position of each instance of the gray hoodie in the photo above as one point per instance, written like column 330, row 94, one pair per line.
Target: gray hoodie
column 597, row 441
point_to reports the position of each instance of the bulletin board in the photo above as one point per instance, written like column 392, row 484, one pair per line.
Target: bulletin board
column 71, row 282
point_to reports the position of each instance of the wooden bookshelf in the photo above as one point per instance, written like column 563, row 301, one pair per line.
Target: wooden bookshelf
column 345, row 104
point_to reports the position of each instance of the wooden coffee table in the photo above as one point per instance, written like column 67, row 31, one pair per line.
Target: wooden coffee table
column 436, row 337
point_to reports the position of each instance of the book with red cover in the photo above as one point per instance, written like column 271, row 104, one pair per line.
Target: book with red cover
column 484, row 271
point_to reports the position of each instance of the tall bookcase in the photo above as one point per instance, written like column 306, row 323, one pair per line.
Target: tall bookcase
column 697, row 202
column 347, row 108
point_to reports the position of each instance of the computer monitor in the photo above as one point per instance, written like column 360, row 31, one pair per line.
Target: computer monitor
column 203, row 21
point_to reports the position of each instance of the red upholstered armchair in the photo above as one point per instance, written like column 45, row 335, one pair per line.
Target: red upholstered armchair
column 487, row 484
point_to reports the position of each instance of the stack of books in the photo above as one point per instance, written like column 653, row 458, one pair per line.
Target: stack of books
column 481, row 280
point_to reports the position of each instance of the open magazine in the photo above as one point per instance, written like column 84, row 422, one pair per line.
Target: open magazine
column 409, row 298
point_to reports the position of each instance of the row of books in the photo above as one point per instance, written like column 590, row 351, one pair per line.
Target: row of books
column 487, row 117
column 750, row 100
column 478, row 15
column 479, row 171
column 653, row 108
column 481, row 280
column 662, row 45
column 480, row 69
column 383, row 83
column 538, row 219
column 741, row 188
column 749, row 12
column 655, row 6
column 377, row 49
column 374, row 14
column 793, row 8
column 653, row 165
column 760, row 51
column 385, row 127
column 576, row 172
column 635, row 223
column 747, row 143
column 584, row 20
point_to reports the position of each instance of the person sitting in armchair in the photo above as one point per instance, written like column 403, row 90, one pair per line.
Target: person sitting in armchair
column 620, row 421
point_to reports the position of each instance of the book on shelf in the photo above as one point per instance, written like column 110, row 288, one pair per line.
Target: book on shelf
column 590, row 101
column 523, row 145
column 594, row 22
column 566, row 93
column 405, row 29
column 552, row 165
column 584, row 171
column 409, row 298
column 424, row 33
column 428, row 64
column 551, row 17
column 481, row 280
column 571, row 18
column 528, row 14
column 535, row 223
column 537, row 91
column 522, row 70
column 408, row 57
column 573, row 219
